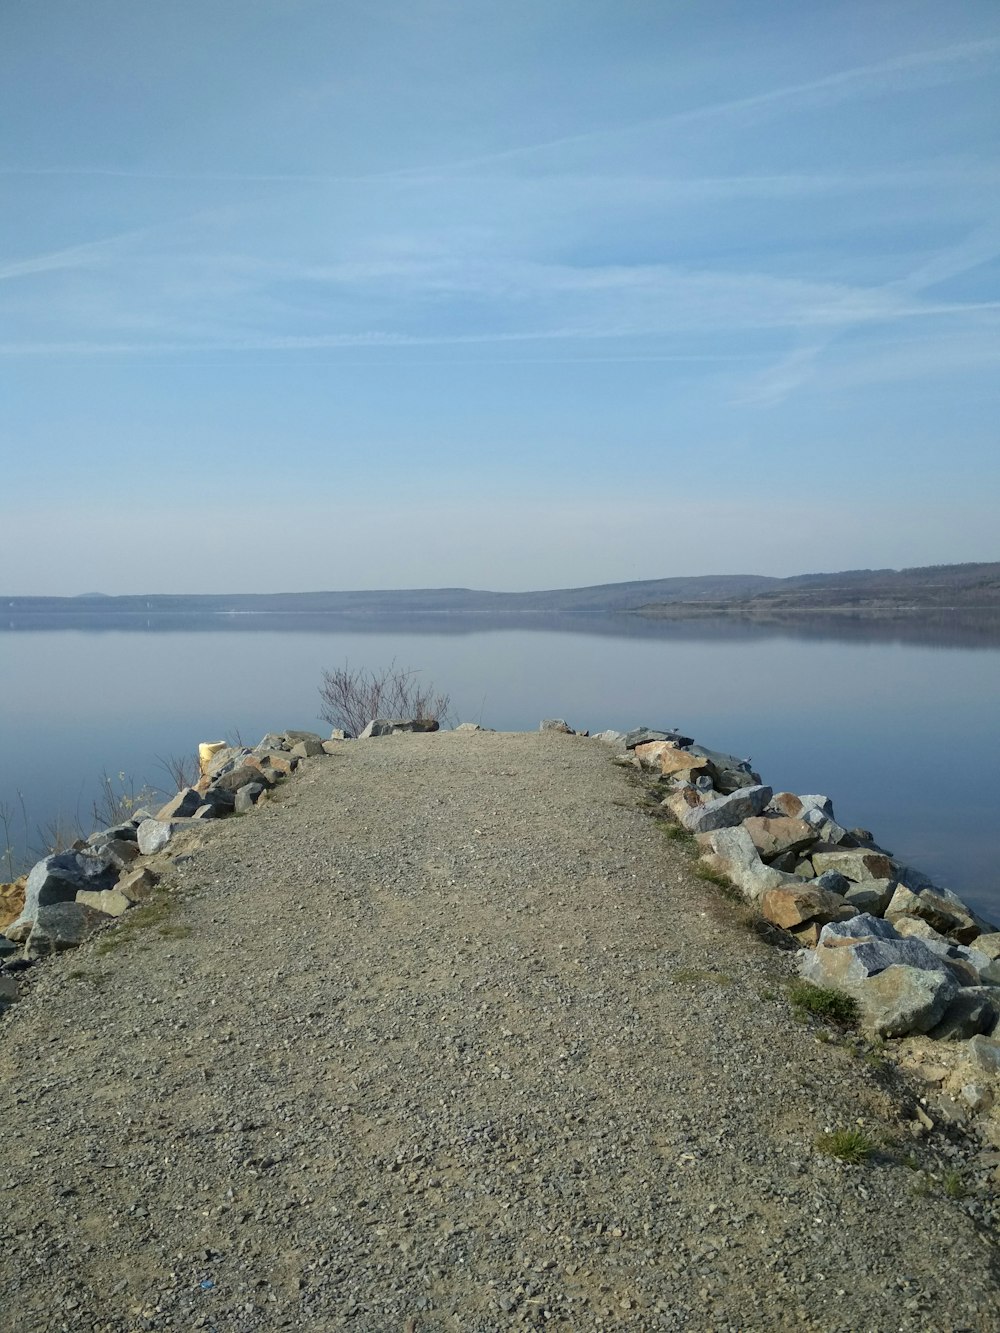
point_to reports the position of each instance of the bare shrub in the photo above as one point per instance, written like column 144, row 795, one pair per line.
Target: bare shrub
column 181, row 769
column 352, row 697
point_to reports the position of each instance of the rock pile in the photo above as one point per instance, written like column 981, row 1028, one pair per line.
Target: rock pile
column 913, row 955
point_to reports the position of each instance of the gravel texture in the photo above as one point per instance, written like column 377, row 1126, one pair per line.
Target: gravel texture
column 448, row 1036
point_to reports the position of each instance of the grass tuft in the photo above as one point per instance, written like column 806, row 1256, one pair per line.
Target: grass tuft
column 823, row 1002
column 847, row 1145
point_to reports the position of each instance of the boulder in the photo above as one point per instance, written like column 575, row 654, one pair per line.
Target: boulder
column 989, row 944
column 556, row 724
column 855, row 865
column 11, row 901
column 777, row 835
column 181, row 806
column 666, row 759
column 741, row 863
column 220, row 799
column 639, row 735
column 307, row 749
column 681, row 800
column 382, row 726
column 796, row 906
column 984, row 1053
column 292, row 738
column 58, row 879
column 339, row 734
column 727, row 811
column 904, row 999
column 125, row 832
column 154, row 834
column 971, row 1012
column 137, row 885
column 238, row 777
column 331, row 747
column 225, row 759
column 870, row 895
column 730, row 772
column 940, row 908
column 118, row 852
column 272, row 741
column 60, row 926
column 111, row 902
column 282, row 761
column 246, row 797
column 609, row 737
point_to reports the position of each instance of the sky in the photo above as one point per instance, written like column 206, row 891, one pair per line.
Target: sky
column 317, row 294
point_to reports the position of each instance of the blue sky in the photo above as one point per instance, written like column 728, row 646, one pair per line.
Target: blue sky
column 300, row 295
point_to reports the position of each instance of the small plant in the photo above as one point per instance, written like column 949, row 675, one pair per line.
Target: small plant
column 847, row 1145
column 118, row 799
column 353, row 697
column 696, row 976
column 824, row 1002
column 676, row 832
column 712, row 876
column 953, row 1184
column 181, row 769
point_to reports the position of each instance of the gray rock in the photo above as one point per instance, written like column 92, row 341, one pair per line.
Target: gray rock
column 727, row 811
column 739, row 857
column 392, row 726
column 118, row 833
column 833, row 881
column 109, row 901
column 247, row 797
column 220, row 799
column 640, row 735
column 837, row 962
column 181, row 806
column 272, row 741
column 940, row 908
column 556, row 724
column 57, row 879
column 856, row 865
column 731, row 772
column 137, row 885
column 971, row 1012
column 61, row 926
column 904, row 999
column 294, row 737
column 225, row 760
column 8, row 946
column 307, row 749
column 208, row 812
column 154, row 834
column 236, row 778
column 871, row 895
column 609, row 737
column 339, row 734
column 984, row 1054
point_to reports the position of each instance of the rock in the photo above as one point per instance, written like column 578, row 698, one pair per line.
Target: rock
column 833, row 881
column 307, row 749
column 220, row 799
column 556, row 724
column 181, row 806
column 125, row 832
column 7, row 946
column 11, row 901
column 339, row 734
column 236, row 778
column 791, row 907
column 292, row 738
column 381, row 726
column 870, row 895
column 855, row 865
column 804, row 869
column 778, row 835
column 111, row 902
column 57, row 879
column 984, row 1053
column 246, row 797
column 609, row 737
column 969, row 965
column 468, row 726
column 118, row 852
column 209, row 812
column 970, row 1012
column 855, row 950
column 284, row 762
column 272, row 741
column 681, row 800
column 225, row 759
column 331, row 747
column 60, row 926
column 137, row 885
column 666, row 759
column 902, row 999
column 742, row 864
column 940, row 908
column 154, row 834
column 639, row 735
column 832, row 837
column 989, row 944
column 730, row 772
column 727, row 811
column 976, row 1096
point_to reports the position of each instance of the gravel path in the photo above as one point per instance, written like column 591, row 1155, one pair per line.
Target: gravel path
column 456, row 1042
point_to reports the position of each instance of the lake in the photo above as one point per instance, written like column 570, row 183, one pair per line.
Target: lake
column 900, row 727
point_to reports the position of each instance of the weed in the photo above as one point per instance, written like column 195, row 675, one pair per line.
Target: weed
column 921, row 1187
column 96, row 979
column 676, row 832
column 954, row 1186
column 353, row 697
column 823, row 1002
column 847, row 1145
column 712, row 877
column 767, row 993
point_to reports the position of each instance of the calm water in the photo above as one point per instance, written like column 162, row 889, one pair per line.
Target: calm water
column 904, row 735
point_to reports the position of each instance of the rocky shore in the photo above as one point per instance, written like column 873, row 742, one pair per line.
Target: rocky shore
column 465, row 977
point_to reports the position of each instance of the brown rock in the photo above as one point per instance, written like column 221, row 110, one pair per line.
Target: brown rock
column 773, row 836
column 791, row 907
column 669, row 760
column 788, row 803
column 682, row 800
column 856, row 864
column 11, row 901
column 108, row 901
column 137, row 885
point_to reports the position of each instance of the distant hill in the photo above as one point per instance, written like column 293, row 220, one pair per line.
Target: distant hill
column 882, row 592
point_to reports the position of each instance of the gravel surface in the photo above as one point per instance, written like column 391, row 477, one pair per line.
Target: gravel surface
column 448, row 1036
